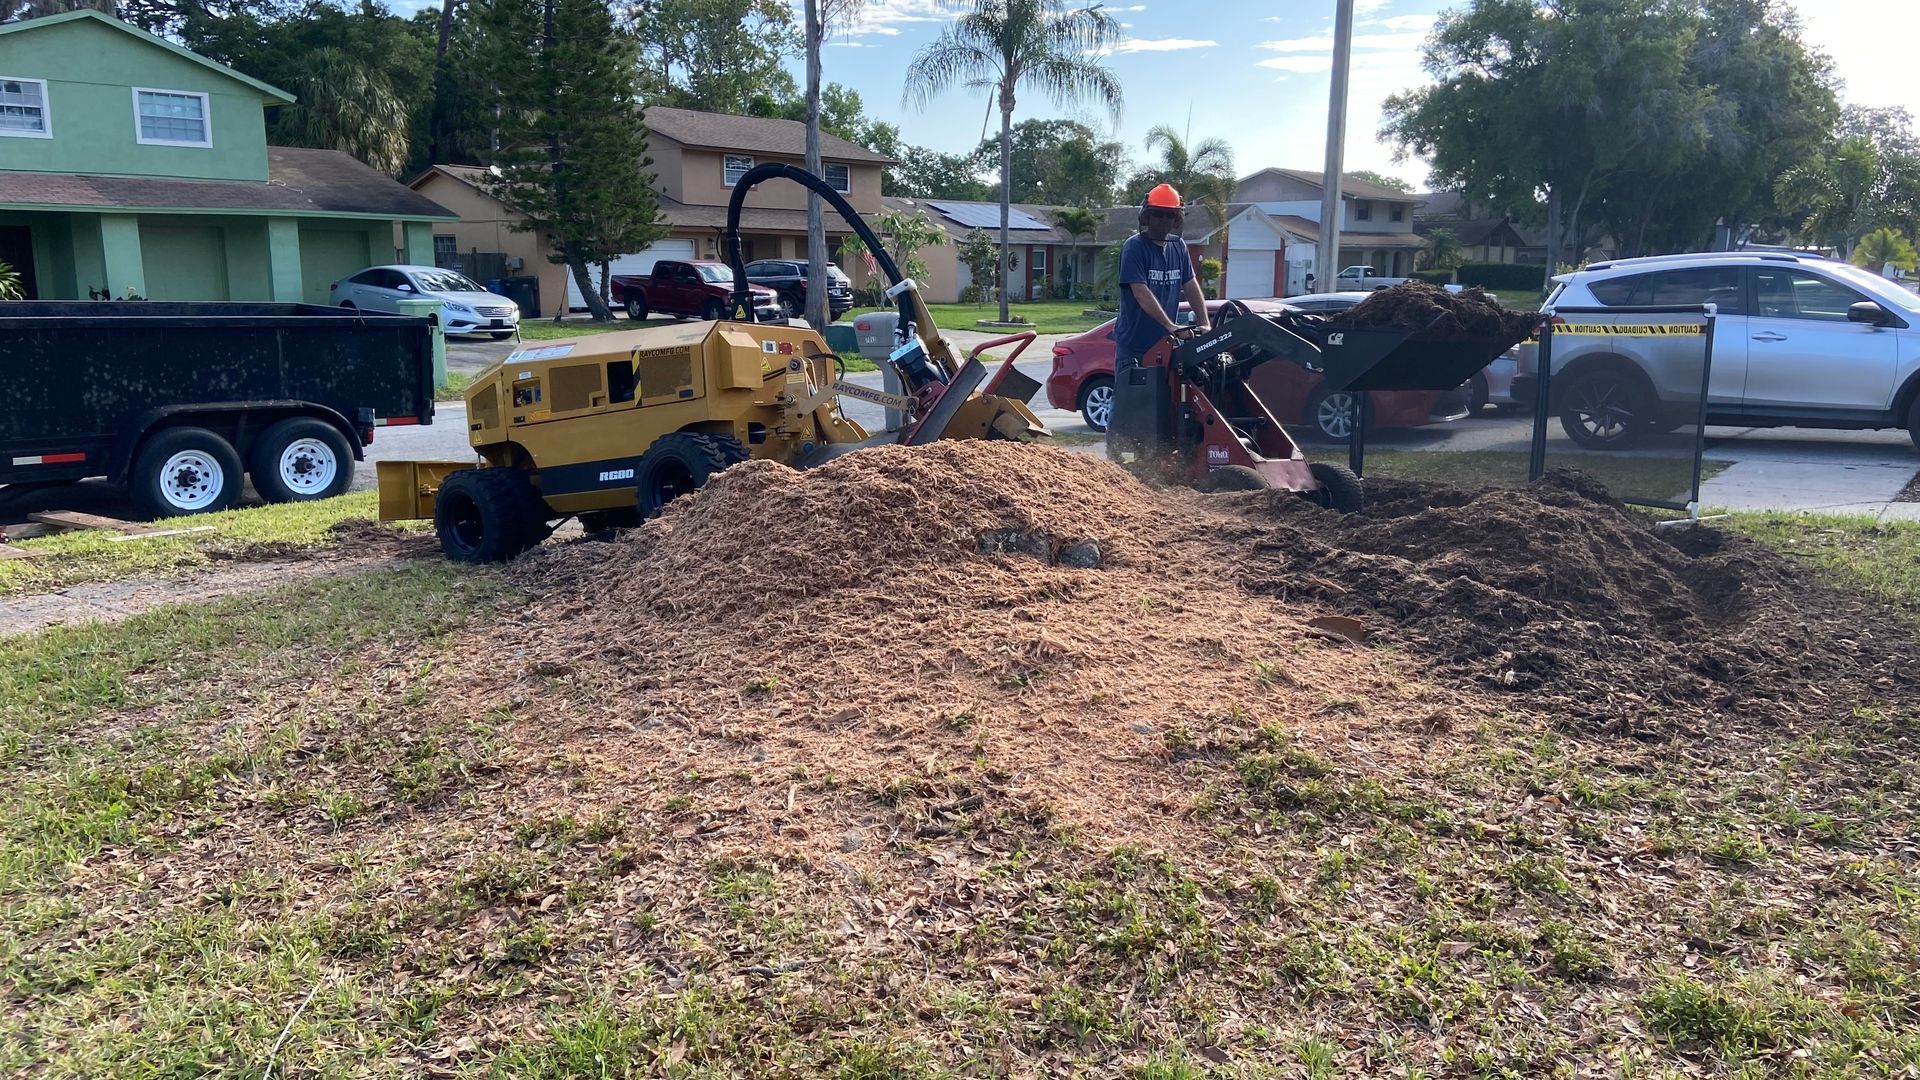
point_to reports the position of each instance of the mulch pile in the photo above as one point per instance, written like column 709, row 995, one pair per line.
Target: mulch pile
column 1435, row 314
column 916, row 580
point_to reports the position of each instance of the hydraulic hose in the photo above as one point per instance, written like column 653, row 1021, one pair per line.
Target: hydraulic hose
column 742, row 303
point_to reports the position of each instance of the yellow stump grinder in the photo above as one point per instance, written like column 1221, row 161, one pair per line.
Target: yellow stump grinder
column 610, row 428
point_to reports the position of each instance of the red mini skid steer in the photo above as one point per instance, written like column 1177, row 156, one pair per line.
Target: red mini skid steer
column 1188, row 414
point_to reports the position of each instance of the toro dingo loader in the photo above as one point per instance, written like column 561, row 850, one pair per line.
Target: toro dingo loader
column 612, row 427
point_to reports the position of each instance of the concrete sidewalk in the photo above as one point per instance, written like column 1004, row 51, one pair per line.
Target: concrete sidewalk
column 1857, row 473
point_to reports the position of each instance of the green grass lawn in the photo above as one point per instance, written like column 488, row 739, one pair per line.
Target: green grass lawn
column 1046, row 317
column 70, row 558
column 1640, row 477
column 548, row 330
column 1882, row 561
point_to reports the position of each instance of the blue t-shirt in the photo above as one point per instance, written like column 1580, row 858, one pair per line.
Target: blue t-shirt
column 1165, row 270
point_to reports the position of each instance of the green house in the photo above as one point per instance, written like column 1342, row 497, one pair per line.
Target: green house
column 131, row 165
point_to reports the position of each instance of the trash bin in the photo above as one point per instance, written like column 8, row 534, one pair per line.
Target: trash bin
column 524, row 292
column 874, row 332
column 843, row 338
column 431, row 309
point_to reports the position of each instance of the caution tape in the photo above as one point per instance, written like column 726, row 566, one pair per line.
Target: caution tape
column 1631, row 330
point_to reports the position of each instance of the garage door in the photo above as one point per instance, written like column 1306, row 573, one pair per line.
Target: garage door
column 637, row 263
column 1250, row 274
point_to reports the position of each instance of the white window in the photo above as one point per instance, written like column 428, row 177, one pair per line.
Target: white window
column 171, row 117
column 839, row 178
column 23, row 108
column 734, row 167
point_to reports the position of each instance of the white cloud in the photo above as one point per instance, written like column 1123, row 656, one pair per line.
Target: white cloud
column 1134, row 45
column 1367, row 7
column 1135, row 7
column 1302, row 64
column 887, row 16
column 1421, row 23
column 1361, row 43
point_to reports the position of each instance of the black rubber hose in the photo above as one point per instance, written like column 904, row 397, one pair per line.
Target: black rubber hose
column 775, row 170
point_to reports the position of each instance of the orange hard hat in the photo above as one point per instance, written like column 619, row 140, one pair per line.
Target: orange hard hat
column 1164, row 196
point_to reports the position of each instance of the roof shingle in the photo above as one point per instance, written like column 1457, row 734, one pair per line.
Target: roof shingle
column 299, row 181
column 723, row 131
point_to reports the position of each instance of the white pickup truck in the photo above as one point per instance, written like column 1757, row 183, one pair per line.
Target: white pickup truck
column 1363, row 279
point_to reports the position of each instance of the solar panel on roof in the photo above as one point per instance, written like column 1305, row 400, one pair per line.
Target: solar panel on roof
column 978, row 216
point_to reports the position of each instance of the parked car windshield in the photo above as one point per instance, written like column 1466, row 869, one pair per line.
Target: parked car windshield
column 718, row 274
column 446, row 281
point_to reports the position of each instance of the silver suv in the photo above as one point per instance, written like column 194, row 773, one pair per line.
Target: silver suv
column 1799, row 340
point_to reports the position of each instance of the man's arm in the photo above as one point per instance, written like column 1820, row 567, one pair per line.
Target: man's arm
column 1197, row 301
column 1150, row 304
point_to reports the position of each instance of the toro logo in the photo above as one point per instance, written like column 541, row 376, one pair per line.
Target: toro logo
column 1217, row 455
column 616, row 474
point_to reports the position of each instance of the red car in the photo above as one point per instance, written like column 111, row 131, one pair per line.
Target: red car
column 1082, row 380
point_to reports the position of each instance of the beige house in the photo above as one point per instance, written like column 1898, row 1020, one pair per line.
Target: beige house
column 1483, row 236
column 696, row 159
column 1376, row 223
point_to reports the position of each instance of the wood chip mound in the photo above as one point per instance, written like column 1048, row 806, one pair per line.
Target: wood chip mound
column 873, row 612
column 1434, row 314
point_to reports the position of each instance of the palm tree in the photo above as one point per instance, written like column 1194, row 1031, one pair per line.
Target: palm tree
column 1883, row 246
column 1441, row 250
column 822, row 17
column 345, row 104
column 1835, row 194
column 1201, row 173
column 1076, row 221
column 1005, row 45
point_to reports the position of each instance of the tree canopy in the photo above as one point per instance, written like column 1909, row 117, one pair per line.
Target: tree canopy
column 1056, row 162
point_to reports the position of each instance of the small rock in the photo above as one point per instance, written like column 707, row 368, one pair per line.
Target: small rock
column 854, row 840
column 1084, row 555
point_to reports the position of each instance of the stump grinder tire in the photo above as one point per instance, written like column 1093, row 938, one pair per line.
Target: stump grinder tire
column 1232, row 478
column 682, row 463
column 299, row 459
column 488, row 515
column 186, row 470
column 1339, row 488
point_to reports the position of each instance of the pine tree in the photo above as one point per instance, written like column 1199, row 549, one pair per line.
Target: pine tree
column 572, row 151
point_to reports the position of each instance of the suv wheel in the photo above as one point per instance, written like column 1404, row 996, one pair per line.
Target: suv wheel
column 1913, row 423
column 1606, row 410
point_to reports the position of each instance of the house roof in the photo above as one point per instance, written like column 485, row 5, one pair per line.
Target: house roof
column 1350, row 186
column 270, row 94
column 1052, row 234
column 752, row 218
column 1443, row 204
column 1470, row 233
column 723, row 131
column 299, row 181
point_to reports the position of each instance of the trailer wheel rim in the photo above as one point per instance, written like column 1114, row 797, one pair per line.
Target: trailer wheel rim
column 308, row 466
column 1100, row 405
column 1335, row 415
column 192, row 480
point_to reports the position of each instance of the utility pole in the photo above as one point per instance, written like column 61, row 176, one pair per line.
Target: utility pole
column 1328, row 260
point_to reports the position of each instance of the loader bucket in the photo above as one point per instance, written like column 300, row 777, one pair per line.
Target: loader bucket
column 1369, row 359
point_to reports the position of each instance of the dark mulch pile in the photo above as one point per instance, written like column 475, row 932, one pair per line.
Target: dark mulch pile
column 1559, row 593
column 1438, row 315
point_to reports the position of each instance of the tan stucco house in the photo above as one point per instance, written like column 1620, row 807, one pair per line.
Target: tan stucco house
column 697, row 157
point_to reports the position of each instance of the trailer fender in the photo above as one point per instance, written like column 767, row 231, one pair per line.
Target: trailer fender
column 237, row 421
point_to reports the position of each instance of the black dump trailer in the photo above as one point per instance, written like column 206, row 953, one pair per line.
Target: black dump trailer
column 177, row 400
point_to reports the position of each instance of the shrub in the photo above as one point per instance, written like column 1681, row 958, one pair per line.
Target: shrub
column 1437, row 277
column 971, row 295
column 1514, row 276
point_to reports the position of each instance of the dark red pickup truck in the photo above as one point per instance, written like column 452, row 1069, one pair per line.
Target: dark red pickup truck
column 687, row 288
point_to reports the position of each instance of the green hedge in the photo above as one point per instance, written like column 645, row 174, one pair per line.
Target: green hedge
column 1502, row 275
column 1437, row 277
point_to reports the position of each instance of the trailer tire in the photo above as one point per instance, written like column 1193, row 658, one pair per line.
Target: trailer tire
column 1339, row 488
column 186, row 470
column 488, row 515
column 300, row 459
column 682, row 463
